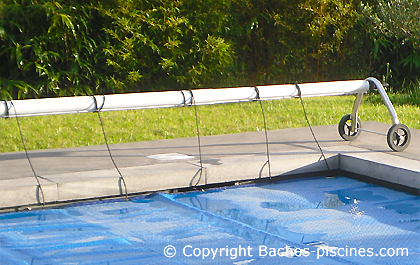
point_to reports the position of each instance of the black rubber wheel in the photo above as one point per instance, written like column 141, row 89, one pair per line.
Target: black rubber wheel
column 398, row 137
column 344, row 128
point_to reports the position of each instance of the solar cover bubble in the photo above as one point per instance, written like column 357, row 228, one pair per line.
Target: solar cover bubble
column 306, row 221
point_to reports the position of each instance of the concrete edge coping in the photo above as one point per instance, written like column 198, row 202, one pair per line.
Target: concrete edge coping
column 98, row 184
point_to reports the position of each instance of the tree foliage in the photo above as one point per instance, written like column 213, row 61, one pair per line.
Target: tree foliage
column 62, row 47
column 160, row 44
column 395, row 33
column 48, row 48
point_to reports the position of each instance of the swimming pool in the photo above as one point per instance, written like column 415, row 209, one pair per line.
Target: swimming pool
column 307, row 221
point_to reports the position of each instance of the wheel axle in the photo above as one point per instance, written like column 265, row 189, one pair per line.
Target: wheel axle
column 398, row 136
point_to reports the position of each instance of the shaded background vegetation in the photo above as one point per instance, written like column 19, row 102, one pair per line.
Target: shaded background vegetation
column 79, row 47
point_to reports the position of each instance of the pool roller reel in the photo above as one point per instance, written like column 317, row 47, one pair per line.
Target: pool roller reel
column 350, row 126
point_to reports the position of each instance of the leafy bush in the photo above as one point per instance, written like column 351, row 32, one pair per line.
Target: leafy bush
column 49, row 48
column 61, row 48
column 395, row 30
column 158, row 45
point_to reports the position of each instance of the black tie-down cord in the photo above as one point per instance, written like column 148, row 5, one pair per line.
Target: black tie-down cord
column 98, row 110
column 309, row 124
column 267, row 162
column 199, row 172
column 39, row 187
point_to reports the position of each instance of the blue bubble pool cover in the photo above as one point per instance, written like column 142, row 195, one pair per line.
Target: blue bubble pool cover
column 306, row 221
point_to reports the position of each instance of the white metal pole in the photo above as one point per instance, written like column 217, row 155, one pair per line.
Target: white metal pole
column 51, row 106
column 385, row 98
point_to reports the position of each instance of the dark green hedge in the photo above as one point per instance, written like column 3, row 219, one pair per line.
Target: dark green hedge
column 62, row 48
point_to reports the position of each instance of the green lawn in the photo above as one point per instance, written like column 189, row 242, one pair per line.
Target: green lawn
column 62, row 131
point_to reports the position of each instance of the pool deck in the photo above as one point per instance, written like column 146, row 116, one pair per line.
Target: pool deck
column 87, row 172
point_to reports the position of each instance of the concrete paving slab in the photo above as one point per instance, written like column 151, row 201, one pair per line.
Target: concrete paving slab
column 25, row 191
column 378, row 143
column 401, row 171
column 86, row 184
column 87, row 172
column 162, row 177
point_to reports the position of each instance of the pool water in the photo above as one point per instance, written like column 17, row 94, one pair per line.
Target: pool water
column 306, row 221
